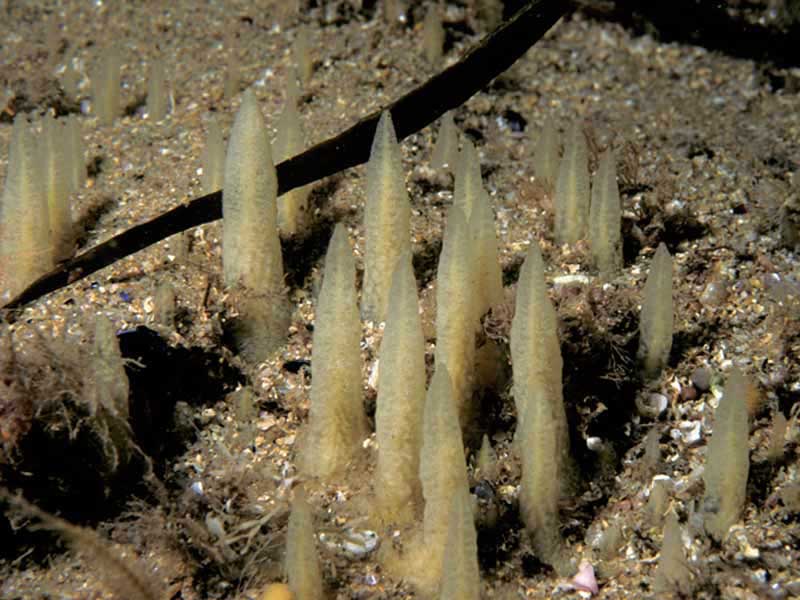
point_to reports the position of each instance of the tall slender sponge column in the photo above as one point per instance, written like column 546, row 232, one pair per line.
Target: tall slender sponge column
column 468, row 185
column 25, row 243
column 157, row 91
column 213, row 159
column 727, row 459
column 76, row 150
column 106, row 86
column 605, row 218
column 433, row 35
column 471, row 198
column 546, row 156
column 535, row 348
column 56, row 168
column 387, row 215
column 655, row 326
column 456, row 313
column 542, row 436
column 489, row 275
column 290, row 141
column 251, row 250
column 572, row 189
column 401, row 401
column 301, row 54
column 337, row 423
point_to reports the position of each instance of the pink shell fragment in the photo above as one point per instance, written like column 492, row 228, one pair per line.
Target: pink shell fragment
column 584, row 579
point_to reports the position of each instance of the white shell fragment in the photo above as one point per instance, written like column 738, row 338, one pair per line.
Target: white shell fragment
column 569, row 281
column 690, row 432
column 356, row 544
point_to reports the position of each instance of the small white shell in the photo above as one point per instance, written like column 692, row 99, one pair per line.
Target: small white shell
column 359, row 544
column 594, row 443
column 356, row 544
column 569, row 280
column 691, row 431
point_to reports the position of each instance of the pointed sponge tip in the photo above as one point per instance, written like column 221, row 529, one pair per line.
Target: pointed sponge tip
column 572, row 189
column 387, row 219
column 445, row 150
column 605, row 218
column 290, row 141
column 656, row 321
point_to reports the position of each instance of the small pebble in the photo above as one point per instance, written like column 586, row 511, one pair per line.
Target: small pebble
column 714, row 294
column 651, row 405
column 484, row 490
column 595, row 444
column 701, row 378
column 761, row 575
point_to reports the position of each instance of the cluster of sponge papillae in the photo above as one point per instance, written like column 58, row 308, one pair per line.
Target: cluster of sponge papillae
column 45, row 168
column 425, row 476
column 421, row 479
column 424, row 418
